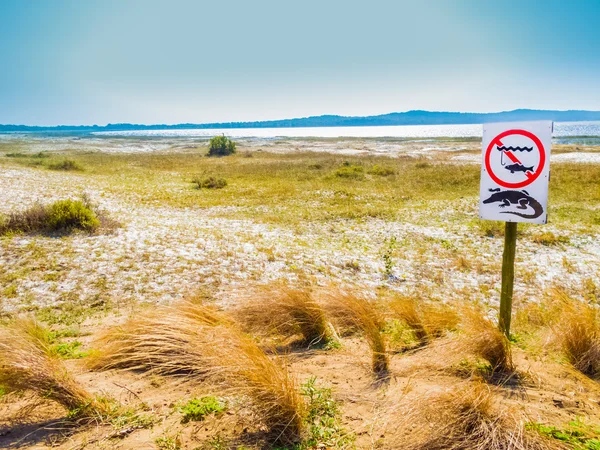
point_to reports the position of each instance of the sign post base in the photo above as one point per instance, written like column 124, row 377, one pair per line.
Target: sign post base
column 508, row 277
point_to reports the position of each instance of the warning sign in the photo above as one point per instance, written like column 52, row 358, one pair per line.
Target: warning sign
column 515, row 170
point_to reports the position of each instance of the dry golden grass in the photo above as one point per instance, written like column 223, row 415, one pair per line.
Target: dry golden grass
column 467, row 418
column 481, row 338
column 578, row 333
column 200, row 343
column 348, row 310
column 285, row 311
column 427, row 320
column 137, row 344
column 28, row 363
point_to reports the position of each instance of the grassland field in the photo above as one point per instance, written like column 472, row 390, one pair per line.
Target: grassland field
column 383, row 217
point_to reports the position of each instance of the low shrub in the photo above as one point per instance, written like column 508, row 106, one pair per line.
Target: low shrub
column 209, row 182
column 381, row 171
column 324, row 425
column 350, row 172
column 60, row 216
column 548, row 238
column 30, row 220
column 423, row 165
column 65, row 164
column 38, row 155
column 221, row 146
column 66, row 215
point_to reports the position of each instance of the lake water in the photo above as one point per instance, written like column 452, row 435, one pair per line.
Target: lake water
column 564, row 132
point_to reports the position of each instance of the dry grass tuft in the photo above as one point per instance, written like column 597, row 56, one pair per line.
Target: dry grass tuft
column 28, row 363
column 578, row 334
column 161, row 341
column 483, row 339
column 427, row 321
column 200, row 343
column 467, row 418
column 348, row 310
column 285, row 311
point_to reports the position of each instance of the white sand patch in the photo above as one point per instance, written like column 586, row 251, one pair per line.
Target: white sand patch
column 163, row 253
column 590, row 158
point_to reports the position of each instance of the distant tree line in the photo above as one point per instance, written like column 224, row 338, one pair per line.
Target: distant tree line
column 403, row 118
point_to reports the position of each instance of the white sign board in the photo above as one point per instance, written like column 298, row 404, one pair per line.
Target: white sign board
column 515, row 169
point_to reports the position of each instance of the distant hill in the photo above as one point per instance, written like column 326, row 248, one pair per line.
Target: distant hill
column 398, row 118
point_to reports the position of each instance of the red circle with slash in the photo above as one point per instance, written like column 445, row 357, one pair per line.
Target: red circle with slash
column 531, row 177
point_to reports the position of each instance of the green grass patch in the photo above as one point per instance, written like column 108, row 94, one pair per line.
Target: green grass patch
column 324, row 426
column 168, row 442
column 381, row 171
column 66, row 165
column 350, row 171
column 209, row 182
column 197, row 409
column 69, row 350
column 548, row 238
column 576, row 434
column 303, row 187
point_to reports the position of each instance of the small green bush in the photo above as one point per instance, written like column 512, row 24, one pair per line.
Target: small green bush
column 62, row 215
column 381, row 171
column 65, row 164
column 548, row 238
column 576, row 433
column 325, row 428
column 209, row 182
column 221, row 146
column 69, row 350
column 38, row 155
column 71, row 214
column 198, row 408
column 423, row 165
column 350, row 172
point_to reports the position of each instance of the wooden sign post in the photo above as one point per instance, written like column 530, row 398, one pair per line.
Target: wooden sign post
column 508, row 277
column 514, row 156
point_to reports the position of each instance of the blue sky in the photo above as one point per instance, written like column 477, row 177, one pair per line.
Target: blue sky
column 149, row 61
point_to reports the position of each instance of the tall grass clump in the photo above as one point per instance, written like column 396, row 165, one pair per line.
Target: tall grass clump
column 281, row 310
column 426, row 320
column 28, row 362
column 483, row 339
column 578, row 334
column 349, row 310
column 199, row 343
column 467, row 418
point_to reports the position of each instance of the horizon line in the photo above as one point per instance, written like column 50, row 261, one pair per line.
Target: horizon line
column 303, row 118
